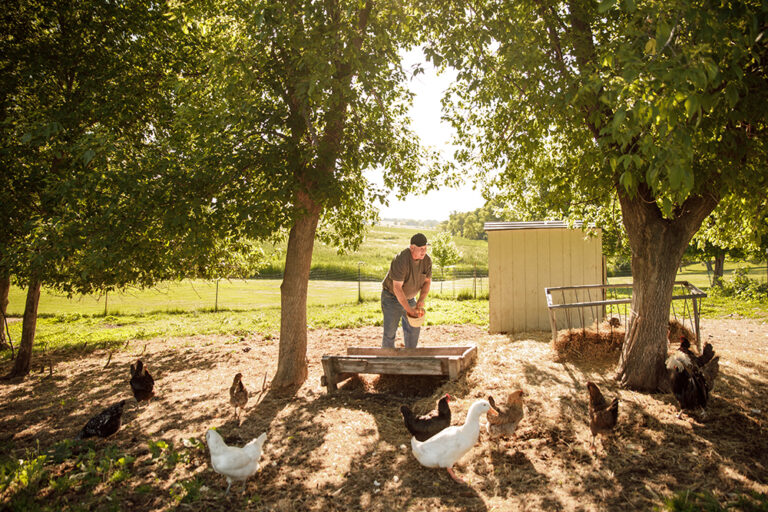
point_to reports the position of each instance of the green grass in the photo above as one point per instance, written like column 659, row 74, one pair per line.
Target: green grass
column 93, row 471
column 260, row 296
column 695, row 501
column 373, row 257
column 74, row 331
column 189, row 295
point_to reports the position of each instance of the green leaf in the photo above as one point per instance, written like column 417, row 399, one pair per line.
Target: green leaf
column 650, row 47
column 692, row 105
column 88, row 156
column 605, row 5
column 675, row 176
column 619, row 117
column 662, row 34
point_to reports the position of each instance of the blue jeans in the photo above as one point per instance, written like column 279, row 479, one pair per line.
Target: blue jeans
column 393, row 313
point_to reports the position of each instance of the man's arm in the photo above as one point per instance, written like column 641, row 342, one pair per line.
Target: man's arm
column 423, row 292
column 397, row 287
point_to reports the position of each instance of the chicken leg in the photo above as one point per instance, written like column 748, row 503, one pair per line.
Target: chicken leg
column 453, row 475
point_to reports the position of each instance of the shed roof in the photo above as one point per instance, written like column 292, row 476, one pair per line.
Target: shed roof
column 539, row 224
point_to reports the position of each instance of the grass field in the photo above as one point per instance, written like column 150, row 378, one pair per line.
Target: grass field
column 373, row 257
column 333, row 282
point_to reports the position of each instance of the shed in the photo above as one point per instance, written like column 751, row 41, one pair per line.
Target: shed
column 526, row 257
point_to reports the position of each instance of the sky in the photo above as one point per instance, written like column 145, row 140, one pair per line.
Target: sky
column 428, row 88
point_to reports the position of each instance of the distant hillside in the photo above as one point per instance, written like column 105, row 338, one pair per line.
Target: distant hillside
column 403, row 223
column 373, row 257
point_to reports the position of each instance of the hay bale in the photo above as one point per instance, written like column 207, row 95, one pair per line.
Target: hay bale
column 677, row 329
column 596, row 342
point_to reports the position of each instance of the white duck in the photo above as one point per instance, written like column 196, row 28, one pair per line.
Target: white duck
column 450, row 444
column 233, row 462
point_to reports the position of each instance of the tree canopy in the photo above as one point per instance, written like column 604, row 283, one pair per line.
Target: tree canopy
column 93, row 200
column 293, row 102
column 577, row 105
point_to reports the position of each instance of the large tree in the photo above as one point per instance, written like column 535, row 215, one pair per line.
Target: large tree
column 660, row 105
column 296, row 101
column 93, row 199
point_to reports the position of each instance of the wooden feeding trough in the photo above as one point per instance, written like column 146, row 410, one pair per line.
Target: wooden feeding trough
column 448, row 361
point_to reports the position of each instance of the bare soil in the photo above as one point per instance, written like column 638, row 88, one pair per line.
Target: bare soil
column 350, row 451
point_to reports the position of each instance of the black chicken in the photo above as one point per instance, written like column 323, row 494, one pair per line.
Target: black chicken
column 706, row 355
column 425, row 426
column 142, row 383
column 602, row 415
column 692, row 377
column 105, row 423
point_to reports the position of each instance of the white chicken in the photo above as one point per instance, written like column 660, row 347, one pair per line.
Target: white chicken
column 233, row 462
column 450, row 444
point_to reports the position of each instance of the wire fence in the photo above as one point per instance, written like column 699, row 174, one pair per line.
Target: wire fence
column 325, row 288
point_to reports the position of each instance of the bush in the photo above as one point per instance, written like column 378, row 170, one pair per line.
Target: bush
column 741, row 286
column 619, row 266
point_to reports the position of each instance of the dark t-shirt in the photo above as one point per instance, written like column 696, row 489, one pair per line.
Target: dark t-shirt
column 411, row 272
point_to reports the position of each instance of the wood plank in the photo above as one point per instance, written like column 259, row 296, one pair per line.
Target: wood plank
column 454, row 367
column 330, row 374
column 389, row 365
column 407, row 352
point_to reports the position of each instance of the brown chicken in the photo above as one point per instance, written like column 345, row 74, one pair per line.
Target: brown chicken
column 142, row 383
column 509, row 415
column 602, row 415
column 425, row 426
column 238, row 395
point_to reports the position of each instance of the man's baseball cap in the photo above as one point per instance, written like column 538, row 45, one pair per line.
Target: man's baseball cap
column 419, row 240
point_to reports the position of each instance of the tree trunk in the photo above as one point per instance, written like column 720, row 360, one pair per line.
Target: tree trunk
column 29, row 325
column 5, row 288
column 292, row 359
column 657, row 246
column 717, row 274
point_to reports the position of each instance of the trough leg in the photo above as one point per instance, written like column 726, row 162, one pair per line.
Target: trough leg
column 453, row 369
column 330, row 375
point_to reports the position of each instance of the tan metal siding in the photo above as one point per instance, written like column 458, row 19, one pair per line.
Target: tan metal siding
column 522, row 262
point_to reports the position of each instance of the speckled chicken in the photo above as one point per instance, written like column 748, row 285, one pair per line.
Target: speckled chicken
column 504, row 423
column 427, row 425
column 602, row 415
column 238, row 395
column 105, row 423
column 142, row 383
column 692, row 377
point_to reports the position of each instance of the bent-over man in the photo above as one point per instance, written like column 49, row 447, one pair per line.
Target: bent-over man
column 410, row 273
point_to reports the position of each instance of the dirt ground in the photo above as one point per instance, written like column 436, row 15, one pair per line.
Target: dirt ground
column 350, row 450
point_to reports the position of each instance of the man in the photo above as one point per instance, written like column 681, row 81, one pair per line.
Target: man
column 410, row 273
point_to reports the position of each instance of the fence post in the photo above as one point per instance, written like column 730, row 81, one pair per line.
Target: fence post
column 359, row 286
column 474, row 281
column 216, row 303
